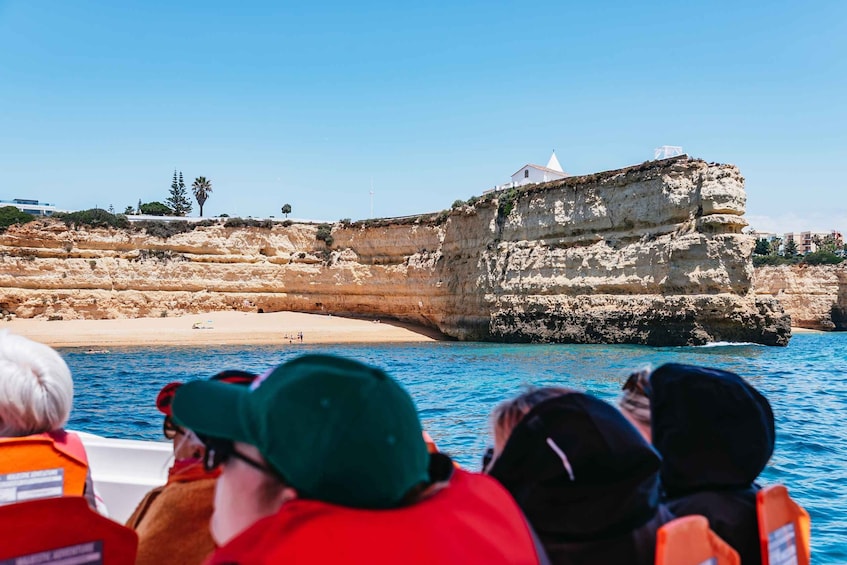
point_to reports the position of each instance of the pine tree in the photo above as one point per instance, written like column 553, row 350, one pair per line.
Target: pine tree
column 178, row 201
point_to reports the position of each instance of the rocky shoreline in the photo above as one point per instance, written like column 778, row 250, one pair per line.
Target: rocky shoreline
column 651, row 254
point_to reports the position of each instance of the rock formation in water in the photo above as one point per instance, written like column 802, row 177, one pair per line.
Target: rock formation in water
column 649, row 254
column 815, row 296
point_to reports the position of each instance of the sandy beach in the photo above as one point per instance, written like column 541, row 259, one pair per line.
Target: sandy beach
column 796, row 330
column 217, row 328
column 220, row 328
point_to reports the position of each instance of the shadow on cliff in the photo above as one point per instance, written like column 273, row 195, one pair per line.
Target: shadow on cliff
column 838, row 312
column 419, row 329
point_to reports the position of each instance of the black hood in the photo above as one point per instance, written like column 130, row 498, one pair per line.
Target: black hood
column 714, row 430
column 579, row 470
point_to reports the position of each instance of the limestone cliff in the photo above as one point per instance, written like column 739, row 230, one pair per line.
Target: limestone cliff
column 814, row 296
column 648, row 254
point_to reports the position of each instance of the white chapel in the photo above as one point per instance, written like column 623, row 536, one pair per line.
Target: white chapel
column 536, row 173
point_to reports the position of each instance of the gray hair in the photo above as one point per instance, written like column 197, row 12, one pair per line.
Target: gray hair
column 36, row 389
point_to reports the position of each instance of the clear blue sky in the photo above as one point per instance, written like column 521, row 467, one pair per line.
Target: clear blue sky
column 276, row 103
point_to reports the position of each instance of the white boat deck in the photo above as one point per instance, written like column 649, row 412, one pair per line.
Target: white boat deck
column 124, row 470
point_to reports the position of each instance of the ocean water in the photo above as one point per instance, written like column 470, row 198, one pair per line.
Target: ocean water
column 455, row 386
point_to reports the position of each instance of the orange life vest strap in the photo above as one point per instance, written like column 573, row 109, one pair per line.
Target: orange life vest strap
column 784, row 528
column 689, row 541
column 70, row 444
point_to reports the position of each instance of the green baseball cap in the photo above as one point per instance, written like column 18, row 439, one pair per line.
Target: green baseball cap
column 337, row 430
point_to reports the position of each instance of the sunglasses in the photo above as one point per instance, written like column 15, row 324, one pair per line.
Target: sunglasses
column 219, row 451
column 486, row 458
column 170, row 429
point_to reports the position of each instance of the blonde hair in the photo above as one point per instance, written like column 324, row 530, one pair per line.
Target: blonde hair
column 36, row 389
column 509, row 413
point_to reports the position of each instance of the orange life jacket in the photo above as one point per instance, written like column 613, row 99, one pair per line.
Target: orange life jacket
column 689, row 541
column 472, row 520
column 42, row 466
column 784, row 527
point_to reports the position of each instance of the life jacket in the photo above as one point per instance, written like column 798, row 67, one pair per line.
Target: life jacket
column 471, row 520
column 42, row 466
column 689, row 541
column 784, row 528
column 62, row 530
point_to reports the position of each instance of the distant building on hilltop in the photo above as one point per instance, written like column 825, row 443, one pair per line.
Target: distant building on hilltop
column 530, row 174
column 806, row 241
column 667, row 151
column 33, row 207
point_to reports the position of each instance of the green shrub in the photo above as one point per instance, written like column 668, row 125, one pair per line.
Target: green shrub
column 95, row 218
column 761, row 260
column 507, row 202
column 286, row 223
column 165, row 229
column 248, row 223
column 156, row 209
column 822, row 257
column 10, row 215
column 324, row 234
column 457, row 204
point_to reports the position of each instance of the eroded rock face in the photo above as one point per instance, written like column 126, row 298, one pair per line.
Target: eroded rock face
column 649, row 254
column 815, row 296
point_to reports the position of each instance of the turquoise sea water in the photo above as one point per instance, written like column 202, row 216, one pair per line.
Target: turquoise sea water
column 456, row 385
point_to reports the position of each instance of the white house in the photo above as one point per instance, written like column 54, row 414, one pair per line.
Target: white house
column 536, row 173
column 30, row 206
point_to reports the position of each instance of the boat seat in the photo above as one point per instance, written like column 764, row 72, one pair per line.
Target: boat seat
column 63, row 530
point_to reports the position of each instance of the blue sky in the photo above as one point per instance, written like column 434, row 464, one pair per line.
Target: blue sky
column 278, row 103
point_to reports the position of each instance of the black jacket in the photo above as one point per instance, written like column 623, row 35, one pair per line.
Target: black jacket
column 716, row 434
column 586, row 480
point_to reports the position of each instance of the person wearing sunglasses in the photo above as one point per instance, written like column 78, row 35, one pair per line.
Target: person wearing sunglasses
column 323, row 460
column 172, row 521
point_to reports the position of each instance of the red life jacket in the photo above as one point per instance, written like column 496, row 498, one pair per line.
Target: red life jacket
column 42, row 466
column 472, row 520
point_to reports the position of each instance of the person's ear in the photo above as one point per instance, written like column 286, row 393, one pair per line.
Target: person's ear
column 287, row 494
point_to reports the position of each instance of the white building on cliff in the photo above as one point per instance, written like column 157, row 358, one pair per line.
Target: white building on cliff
column 529, row 173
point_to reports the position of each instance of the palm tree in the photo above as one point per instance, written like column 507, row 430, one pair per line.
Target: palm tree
column 201, row 188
